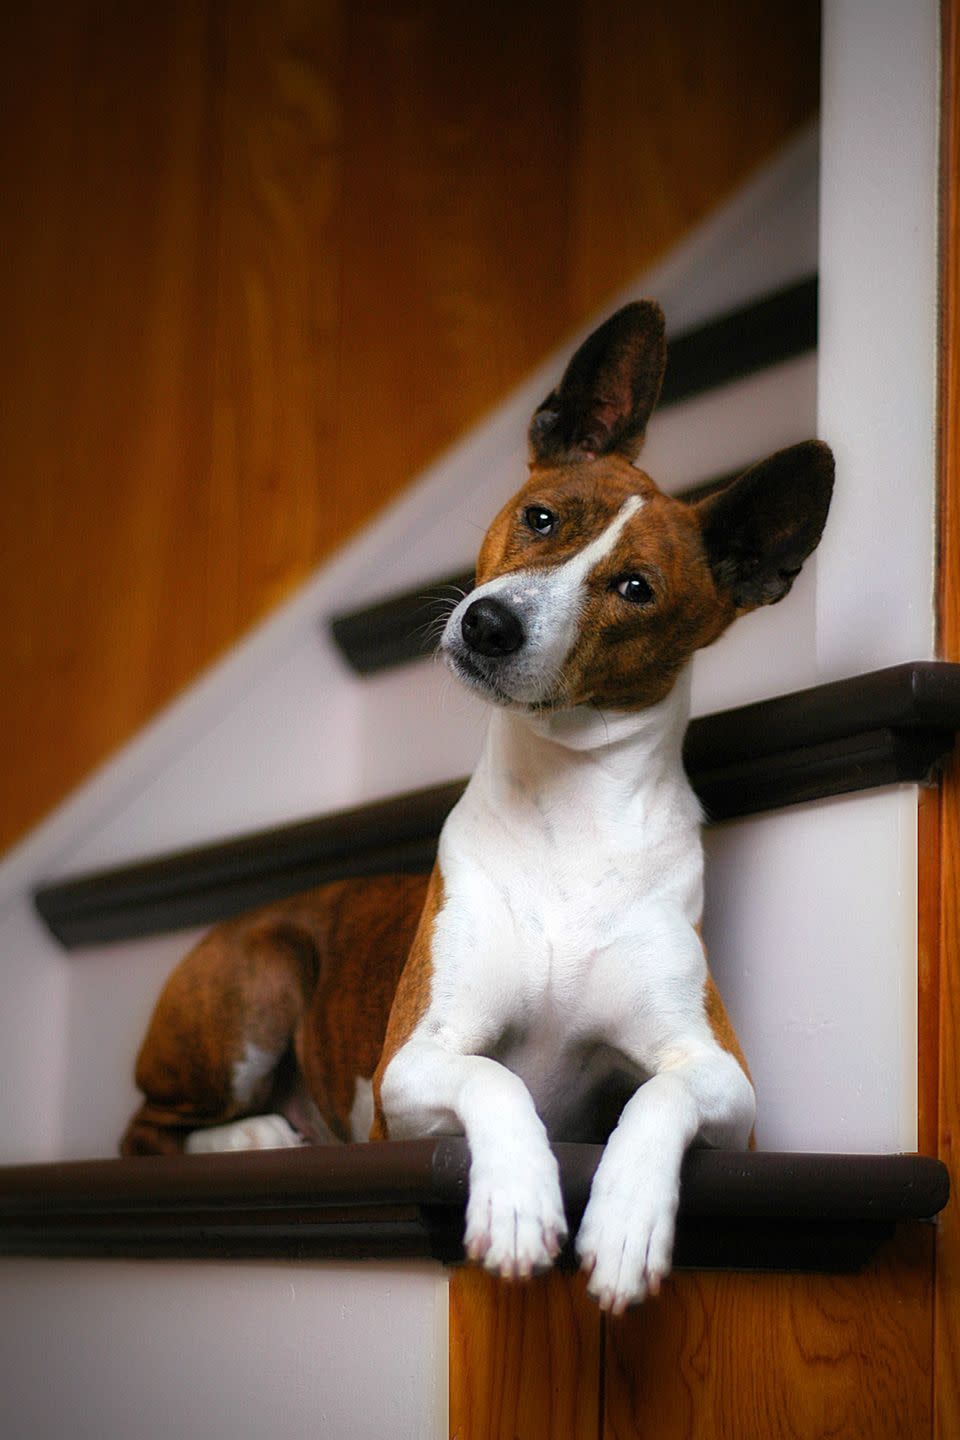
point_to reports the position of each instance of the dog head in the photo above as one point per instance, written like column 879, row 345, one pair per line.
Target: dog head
column 593, row 587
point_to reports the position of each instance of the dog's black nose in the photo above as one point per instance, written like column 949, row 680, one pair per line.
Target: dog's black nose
column 491, row 628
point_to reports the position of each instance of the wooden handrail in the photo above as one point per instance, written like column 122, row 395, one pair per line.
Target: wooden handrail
column 738, row 1210
column 878, row 729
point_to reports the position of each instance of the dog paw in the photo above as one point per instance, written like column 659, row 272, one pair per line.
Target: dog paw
column 257, row 1132
column 625, row 1244
column 515, row 1220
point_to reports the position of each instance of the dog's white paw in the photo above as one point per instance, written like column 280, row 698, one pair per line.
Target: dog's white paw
column 257, row 1132
column 625, row 1241
column 515, row 1220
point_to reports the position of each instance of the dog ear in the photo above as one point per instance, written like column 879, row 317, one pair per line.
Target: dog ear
column 758, row 530
column 608, row 390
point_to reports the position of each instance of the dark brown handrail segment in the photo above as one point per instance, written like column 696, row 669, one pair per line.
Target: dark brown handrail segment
column 738, row 1210
column 878, row 729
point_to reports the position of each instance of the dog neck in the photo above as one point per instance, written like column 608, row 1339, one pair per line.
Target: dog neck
column 586, row 755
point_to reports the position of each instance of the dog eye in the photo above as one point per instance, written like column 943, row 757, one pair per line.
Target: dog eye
column 633, row 588
column 540, row 519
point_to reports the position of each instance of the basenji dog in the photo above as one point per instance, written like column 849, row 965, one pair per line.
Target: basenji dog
column 548, row 980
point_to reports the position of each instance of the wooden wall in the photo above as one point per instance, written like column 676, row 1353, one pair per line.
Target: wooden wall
column 940, row 864
column 262, row 259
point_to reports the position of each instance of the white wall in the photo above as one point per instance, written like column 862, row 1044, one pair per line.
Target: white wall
column 240, row 1350
column 33, row 1030
column 811, row 930
column 878, row 330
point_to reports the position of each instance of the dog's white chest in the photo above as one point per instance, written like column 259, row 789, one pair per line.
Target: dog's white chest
column 541, row 950
column 569, row 892
column 573, row 848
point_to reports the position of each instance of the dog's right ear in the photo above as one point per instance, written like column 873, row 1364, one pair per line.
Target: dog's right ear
column 608, row 390
column 758, row 530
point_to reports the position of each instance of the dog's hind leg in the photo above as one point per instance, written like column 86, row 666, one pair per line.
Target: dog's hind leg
column 219, row 1046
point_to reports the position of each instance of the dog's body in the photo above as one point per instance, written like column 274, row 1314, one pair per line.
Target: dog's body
column 556, row 985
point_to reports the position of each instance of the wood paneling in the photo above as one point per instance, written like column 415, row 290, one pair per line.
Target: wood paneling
column 716, row 1357
column 942, row 877
column 680, row 101
column 456, row 215
column 110, row 181
column 262, row 261
column 267, row 498
column 779, row 1357
column 525, row 1359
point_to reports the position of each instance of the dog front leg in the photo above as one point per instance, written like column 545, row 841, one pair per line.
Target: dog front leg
column 515, row 1219
column 625, row 1242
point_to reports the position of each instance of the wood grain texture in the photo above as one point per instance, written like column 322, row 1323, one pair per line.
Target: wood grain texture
column 278, row 280
column 677, row 108
column 263, row 261
column 525, row 1359
column 946, row 884
column 109, row 175
column 467, row 184
column 779, row 1357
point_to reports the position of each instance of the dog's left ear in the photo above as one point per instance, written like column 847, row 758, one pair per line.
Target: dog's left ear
column 608, row 390
column 758, row 530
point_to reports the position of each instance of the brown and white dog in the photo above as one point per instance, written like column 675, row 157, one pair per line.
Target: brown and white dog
column 548, row 980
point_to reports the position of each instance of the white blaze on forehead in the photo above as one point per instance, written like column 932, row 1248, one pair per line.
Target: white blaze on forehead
column 600, row 548
column 567, row 591
column 569, row 573
column 549, row 602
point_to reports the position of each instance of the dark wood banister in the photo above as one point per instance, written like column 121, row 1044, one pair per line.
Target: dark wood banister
column 878, row 729
column 756, row 1210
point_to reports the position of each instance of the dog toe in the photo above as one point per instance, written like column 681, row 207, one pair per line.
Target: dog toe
column 515, row 1220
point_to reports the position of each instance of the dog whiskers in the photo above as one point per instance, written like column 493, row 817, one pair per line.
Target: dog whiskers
column 431, row 630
